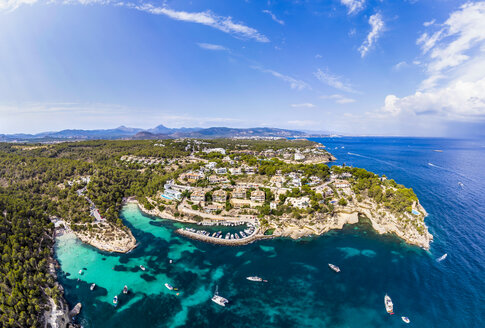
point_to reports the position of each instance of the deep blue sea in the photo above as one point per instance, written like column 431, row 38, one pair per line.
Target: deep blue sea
column 301, row 290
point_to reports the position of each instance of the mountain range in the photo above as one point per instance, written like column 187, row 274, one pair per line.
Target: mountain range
column 158, row 132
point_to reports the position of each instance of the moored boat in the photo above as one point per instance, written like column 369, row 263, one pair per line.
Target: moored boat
column 169, row 287
column 388, row 304
column 406, row 319
column 334, row 267
column 92, row 286
column 442, row 257
column 219, row 300
column 125, row 290
column 142, row 267
column 254, row 278
column 115, row 300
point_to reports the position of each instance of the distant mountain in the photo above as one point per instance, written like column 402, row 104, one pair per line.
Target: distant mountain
column 158, row 132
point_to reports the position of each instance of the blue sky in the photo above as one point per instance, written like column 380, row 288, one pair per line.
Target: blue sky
column 345, row 66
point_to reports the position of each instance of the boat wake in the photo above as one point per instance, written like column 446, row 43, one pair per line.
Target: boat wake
column 373, row 158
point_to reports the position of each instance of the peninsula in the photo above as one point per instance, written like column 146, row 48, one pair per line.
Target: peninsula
column 270, row 186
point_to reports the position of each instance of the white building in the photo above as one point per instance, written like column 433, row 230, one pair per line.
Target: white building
column 221, row 170
column 172, row 194
column 301, row 202
column 299, row 157
column 215, row 150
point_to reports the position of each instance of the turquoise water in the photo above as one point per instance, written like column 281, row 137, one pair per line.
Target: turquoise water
column 302, row 291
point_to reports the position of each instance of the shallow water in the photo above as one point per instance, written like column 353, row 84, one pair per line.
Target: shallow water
column 302, row 291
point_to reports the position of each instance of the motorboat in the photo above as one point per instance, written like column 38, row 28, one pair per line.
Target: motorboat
column 406, row 319
column 142, row 267
column 254, row 278
column 334, row 267
column 92, row 286
column 442, row 257
column 388, row 304
column 115, row 300
column 125, row 290
column 219, row 300
column 169, row 287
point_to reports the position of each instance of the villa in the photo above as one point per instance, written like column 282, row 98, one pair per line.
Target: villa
column 239, row 193
column 197, row 196
column 172, row 194
column 301, row 202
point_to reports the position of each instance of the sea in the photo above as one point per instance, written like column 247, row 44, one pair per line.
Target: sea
column 448, row 176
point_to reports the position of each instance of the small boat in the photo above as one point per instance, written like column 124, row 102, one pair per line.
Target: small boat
column 442, row 257
column 170, row 261
column 169, row 287
column 219, row 300
column 334, row 267
column 81, row 271
column 388, row 304
column 115, row 300
column 92, row 286
column 406, row 319
column 254, row 278
column 125, row 290
column 142, row 267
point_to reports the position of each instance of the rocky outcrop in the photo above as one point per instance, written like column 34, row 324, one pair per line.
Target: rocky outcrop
column 109, row 238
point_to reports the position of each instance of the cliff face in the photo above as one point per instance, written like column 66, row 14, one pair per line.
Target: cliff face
column 409, row 227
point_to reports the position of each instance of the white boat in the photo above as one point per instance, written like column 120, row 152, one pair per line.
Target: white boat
column 142, row 267
column 254, row 278
column 219, row 300
column 388, row 304
column 92, row 286
column 115, row 300
column 334, row 267
column 125, row 290
column 406, row 319
column 442, row 257
column 169, row 287
column 81, row 271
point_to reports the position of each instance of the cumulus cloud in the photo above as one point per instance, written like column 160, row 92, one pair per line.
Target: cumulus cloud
column 377, row 27
column 273, row 17
column 333, row 81
column 399, row 65
column 303, row 105
column 353, row 6
column 339, row 99
column 294, row 83
column 454, row 61
column 214, row 47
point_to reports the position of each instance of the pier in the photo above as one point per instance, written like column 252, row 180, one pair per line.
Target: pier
column 197, row 235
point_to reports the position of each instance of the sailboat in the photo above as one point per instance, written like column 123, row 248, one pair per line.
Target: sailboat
column 219, row 299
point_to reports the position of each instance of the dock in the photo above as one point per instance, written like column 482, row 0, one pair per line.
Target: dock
column 219, row 241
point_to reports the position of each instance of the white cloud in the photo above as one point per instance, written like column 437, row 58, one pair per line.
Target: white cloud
column 353, row 6
column 9, row 5
column 454, row 60
column 339, row 99
column 333, row 81
column 303, row 105
column 377, row 27
column 429, row 23
column 294, row 83
column 400, row 65
column 224, row 24
column 318, row 56
column 214, row 47
column 273, row 16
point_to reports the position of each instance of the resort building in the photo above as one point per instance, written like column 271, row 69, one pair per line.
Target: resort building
column 239, row 193
column 213, row 208
column 219, row 196
column 197, row 196
column 258, row 196
column 172, row 194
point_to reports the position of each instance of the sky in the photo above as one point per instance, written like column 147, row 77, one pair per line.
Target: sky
column 355, row 67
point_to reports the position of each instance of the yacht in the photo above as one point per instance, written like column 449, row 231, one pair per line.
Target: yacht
column 142, row 267
column 92, row 286
column 125, row 290
column 254, row 278
column 115, row 300
column 406, row 319
column 219, row 300
column 169, row 287
column 388, row 304
column 334, row 267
